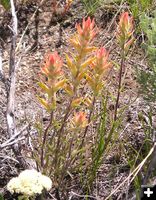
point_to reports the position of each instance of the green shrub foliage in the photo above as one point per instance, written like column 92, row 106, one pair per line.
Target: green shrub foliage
column 139, row 7
column 5, row 4
column 147, row 78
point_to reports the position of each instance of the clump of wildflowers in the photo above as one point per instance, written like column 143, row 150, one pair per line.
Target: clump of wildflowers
column 29, row 183
column 64, row 137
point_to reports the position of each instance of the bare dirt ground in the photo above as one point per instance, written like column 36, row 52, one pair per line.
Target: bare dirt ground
column 47, row 33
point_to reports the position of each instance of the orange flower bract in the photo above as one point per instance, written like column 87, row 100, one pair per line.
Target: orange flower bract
column 85, row 32
column 52, row 69
column 87, row 29
column 101, row 63
column 80, row 119
column 126, row 21
column 53, row 65
column 125, row 28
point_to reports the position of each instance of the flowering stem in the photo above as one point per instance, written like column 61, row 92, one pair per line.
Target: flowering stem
column 119, row 85
column 68, row 161
column 89, row 120
column 44, row 139
column 68, row 110
column 60, row 131
column 85, row 131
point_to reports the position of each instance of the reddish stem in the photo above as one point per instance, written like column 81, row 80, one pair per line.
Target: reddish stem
column 119, row 85
column 44, row 139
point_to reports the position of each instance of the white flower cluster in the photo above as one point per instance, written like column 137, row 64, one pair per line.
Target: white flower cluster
column 29, row 183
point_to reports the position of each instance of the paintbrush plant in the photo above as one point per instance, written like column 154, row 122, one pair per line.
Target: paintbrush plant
column 62, row 146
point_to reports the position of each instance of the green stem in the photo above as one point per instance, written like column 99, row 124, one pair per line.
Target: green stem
column 85, row 131
column 60, row 132
column 89, row 120
column 68, row 110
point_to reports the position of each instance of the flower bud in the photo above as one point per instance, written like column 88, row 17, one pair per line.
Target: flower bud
column 80, row 120
column 125, row 29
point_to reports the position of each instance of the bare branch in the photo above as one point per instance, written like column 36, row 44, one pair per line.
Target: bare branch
column 12, row 140
column 1, row 69
column 2, row 77
column 10, row 114
column 4, row 145
column 12, row 67
column 3, row 158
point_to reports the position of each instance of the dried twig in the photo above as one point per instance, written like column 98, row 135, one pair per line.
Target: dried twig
column 152, row 163
column 72, row 194
column 5, row 157
column 11, row 125
column 1, row 68
column 7, row 144
column 12, row 140
column 12, row 68
column 2, row 76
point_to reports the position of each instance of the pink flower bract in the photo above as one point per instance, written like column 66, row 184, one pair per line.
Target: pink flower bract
column 101, row 63
column 80, row 119
column 88, row 30
column 53, row 65
column 125, row 27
